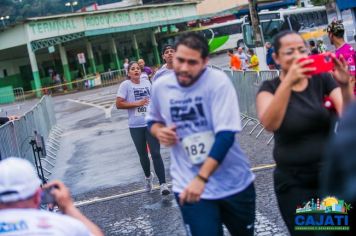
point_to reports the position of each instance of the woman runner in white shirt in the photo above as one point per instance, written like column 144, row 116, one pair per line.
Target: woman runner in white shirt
column 134, row 95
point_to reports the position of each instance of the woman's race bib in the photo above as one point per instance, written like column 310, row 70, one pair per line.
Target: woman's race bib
column 198, row 146
column 140, row 111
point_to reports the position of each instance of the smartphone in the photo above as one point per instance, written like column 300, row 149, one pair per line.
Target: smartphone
column 322, row 62
column 47, row 197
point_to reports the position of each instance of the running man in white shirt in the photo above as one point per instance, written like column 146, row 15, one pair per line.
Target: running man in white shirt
column 20, row 198
column 134, row 95
column 195, row 112
column 167, row 55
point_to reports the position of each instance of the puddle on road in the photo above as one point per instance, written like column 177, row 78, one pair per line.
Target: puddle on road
column 103, row 132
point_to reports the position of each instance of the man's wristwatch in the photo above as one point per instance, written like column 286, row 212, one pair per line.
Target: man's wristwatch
column 205, row 180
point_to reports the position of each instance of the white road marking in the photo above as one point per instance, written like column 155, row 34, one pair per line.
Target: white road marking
column 107, row 108
column 263, row 167
column 112, row 197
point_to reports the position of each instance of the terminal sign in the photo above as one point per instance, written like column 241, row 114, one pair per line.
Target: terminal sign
column 81, row 58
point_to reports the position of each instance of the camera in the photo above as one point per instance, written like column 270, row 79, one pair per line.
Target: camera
column 47, row 197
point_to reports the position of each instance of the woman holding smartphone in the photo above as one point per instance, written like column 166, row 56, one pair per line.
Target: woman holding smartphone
column 292, row 106
column 134, row 95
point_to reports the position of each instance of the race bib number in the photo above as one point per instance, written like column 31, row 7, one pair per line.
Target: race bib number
column 197, row 146
column 141, row 111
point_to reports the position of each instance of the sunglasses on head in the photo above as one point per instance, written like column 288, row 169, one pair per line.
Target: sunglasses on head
column 190, row 62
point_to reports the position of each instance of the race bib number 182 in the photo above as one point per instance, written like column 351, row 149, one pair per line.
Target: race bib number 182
column 198, row 146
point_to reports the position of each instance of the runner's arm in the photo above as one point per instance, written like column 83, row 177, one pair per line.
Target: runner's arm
column 123, row 104
column 166, row 135
column 222, row 144
column 65, row 203
column 194, row 190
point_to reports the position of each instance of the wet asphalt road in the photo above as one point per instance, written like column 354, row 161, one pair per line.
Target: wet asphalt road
column 97, row 159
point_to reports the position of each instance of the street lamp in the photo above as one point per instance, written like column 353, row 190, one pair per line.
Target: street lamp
column 71, row 4
column 3, row 18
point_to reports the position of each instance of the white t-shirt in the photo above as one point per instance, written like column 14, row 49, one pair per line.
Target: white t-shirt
column 133, row 92
column 126, row 66
column 209, row 105
column 162, row 71
column 28, row 222
column 243, row 59
column 144, row 76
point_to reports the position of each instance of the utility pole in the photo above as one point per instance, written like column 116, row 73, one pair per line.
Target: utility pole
column 255, row 23
column 332, row 10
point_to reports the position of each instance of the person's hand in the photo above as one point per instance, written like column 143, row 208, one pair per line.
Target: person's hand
column 143, row 102
column 192, row 192
column 299, row 71
column 341, row 73
column 11, row 118
column 167, row 136
column 61, row 195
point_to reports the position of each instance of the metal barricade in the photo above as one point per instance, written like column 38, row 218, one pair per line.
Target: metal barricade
column 252, row 85
column 215, row 67
column 112, row 77
column 19, row 94
column 268, row 74
column 247, row 84
column 228, row 73
column 237, row 80
column 39, row 122
column 8, row 141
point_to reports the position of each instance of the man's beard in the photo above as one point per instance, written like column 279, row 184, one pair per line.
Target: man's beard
column 192, row 79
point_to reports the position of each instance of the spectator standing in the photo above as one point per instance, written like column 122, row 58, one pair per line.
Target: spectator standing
column 336, row 33
column 235, row 62
column 269, row 59
column 254, row 61
column 211, row 175
column 292, row 106
column 56, row 78
column 146, row 71
column 167, row 55
column 243, row 57
column 321, row 46
column 126, row 65
column 312, row 47
column 20, row 198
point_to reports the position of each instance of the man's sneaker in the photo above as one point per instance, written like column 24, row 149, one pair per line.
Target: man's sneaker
column 149, row 182
column 164, row 189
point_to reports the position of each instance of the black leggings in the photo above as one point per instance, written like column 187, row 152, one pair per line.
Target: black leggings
column 140, row 137
column 291, row 196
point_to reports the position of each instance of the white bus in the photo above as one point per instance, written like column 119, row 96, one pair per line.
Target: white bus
column 221, row 36
column 310, row 22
